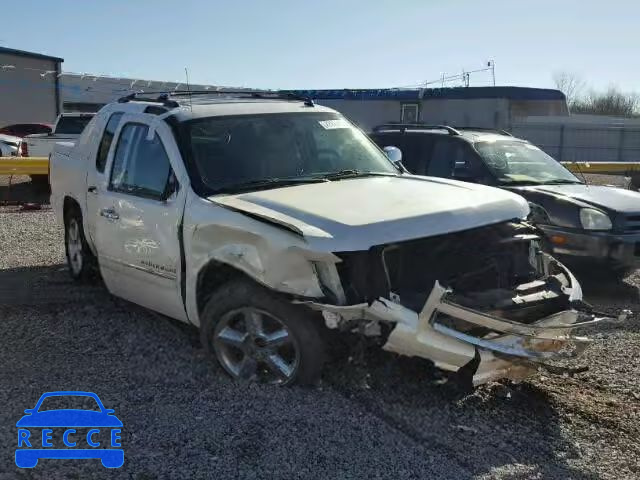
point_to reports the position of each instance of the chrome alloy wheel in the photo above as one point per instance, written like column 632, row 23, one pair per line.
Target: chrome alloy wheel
column 74, row 247
column 252, row 344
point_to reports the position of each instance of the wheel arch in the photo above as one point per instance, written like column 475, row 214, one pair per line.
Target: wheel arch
column 69, row 204
column 212, row 276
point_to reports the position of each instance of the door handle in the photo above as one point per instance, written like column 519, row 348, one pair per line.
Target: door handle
column 92, row 189
column 109, row 213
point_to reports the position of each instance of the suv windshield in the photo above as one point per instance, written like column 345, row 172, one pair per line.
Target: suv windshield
column 514, row 162
column 253, row 151
column 69, row 402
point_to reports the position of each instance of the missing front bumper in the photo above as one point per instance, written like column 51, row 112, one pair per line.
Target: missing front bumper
column 506, row 348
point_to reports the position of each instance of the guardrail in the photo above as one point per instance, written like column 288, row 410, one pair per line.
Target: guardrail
column 605, row 168
column 40, row 166
column 24, row 166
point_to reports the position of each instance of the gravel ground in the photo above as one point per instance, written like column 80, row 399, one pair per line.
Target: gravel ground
column 381, row 417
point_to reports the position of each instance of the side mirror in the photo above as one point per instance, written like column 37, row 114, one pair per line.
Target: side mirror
column 394, row 154
column 29, row 411
column 109, row 411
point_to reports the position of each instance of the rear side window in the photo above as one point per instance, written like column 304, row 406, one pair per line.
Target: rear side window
column 415, row 148
column 107, row 138
column 140, row 167
column 72, row 125
column 442, row 159
column 415, row 151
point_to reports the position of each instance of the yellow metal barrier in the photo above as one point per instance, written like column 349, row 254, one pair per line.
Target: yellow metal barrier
column 24, row 166
column 604, row 168
column 40, row 166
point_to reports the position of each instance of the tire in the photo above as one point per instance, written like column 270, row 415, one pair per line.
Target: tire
column 80, row 259
column 242, row 328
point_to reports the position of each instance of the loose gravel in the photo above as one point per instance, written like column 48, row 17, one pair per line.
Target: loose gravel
column 375, row 416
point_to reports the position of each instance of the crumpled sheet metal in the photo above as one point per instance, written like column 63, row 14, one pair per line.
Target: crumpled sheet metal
column 505, row 353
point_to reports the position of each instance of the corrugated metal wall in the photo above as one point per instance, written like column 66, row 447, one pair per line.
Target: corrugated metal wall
column 26, row 96
column 584, row 142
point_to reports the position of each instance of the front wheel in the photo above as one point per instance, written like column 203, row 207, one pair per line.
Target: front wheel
column 256, row 335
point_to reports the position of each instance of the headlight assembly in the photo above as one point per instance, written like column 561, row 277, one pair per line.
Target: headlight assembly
column 593, row 219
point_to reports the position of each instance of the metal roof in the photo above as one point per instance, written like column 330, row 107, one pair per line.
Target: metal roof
column 23, row 53
column 511, row 93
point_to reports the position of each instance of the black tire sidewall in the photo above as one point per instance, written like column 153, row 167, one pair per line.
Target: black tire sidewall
column 303, row 324
column 87, row 256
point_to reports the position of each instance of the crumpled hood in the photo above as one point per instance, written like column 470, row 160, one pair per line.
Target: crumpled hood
column 609, row 198
column 355, row 214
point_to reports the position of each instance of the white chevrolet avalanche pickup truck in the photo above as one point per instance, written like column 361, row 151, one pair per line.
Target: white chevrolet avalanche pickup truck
column 266, row 220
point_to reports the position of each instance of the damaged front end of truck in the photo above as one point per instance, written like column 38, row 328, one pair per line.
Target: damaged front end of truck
column 486, row 303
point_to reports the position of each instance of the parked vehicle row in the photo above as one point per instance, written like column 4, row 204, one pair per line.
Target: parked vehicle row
column 581, row 223
column 9, row 145
column 265, row 220
column 68, row 127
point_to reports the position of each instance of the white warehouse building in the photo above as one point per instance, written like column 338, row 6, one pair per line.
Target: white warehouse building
column 35, row 89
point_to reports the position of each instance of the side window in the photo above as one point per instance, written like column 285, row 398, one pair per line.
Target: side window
column 442, row 159
column 415, row 152
column 107, row 138
column 455, row 159
column 140, row 167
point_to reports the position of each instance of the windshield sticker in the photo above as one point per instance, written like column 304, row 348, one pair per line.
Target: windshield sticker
column 334, row 124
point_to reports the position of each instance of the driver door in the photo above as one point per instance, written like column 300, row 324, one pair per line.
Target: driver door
column 139, row 213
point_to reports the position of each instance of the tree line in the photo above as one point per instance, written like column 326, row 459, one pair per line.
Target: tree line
column 612, row 101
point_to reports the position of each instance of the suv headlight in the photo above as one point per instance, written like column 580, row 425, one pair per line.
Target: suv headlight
column 593, row 219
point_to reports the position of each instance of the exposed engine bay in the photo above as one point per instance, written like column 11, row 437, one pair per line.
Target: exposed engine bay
column 487, row 302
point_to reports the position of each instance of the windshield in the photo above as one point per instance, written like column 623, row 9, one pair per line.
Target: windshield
column 514, row 162
column 248, row 149
column 69, row 402
column 72, row 125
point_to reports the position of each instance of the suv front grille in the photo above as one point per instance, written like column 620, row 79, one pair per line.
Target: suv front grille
column 631, row 223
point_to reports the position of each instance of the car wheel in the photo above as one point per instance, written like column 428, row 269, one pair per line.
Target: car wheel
column 80, row 260
column 256, row 335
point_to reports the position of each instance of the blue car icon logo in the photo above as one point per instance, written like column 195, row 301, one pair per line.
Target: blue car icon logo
column 69, row 425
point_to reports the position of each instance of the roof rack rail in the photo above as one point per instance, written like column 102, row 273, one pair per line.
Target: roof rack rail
column 162, row 98
column 165, row 97
column 415, row 126
column 485, row 129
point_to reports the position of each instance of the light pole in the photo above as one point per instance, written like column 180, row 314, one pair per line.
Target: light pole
column 491, row 64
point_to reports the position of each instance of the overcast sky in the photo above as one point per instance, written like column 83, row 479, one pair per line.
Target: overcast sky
column 336, row 43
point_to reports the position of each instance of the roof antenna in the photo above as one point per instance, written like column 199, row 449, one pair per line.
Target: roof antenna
column 186, row 73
